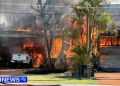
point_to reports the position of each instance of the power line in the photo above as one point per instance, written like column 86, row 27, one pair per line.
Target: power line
column 48, row 14
column 29, row 13
column 32, row 5
column 53, row 5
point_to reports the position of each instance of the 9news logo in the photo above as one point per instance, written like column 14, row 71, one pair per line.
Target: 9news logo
column 13, row 79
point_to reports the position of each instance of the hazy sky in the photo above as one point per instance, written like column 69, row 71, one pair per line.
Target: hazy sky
column 21, row 7
column 24, row 6
column 114, row 1
column 19, row 1
column 34, row 1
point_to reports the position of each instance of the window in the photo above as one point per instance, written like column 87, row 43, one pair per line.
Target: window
column 114, row 41
column 102, row 41
column 108, row 41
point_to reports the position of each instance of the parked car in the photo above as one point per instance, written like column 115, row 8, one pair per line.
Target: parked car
column 21, row 59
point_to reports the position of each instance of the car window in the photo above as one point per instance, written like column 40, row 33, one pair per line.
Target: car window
column 16, row 52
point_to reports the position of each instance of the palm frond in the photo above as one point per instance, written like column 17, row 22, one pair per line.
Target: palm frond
column 81, row 56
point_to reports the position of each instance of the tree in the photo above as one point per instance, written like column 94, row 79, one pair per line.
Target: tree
column 99, row 22
column 81, row 55
column 70, row 32
column 78, row 19
column 48, row 20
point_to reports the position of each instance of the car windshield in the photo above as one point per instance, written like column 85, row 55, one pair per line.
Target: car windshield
column 16, row 52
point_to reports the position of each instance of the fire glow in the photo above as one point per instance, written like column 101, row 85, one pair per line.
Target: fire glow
column 113, row 14
column 37, row 49
column 83, row 37
column 19, row 29
column 32, row 45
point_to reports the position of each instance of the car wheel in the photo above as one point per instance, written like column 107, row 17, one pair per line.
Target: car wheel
column 30, row 64
column 13, row 65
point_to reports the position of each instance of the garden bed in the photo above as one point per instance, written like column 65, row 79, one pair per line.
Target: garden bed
column 46, row 71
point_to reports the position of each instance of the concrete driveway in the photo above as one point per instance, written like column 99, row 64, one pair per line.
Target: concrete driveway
column 104, row 78
column 11, row 72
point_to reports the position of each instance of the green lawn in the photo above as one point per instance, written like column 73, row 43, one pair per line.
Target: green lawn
column 54, row 78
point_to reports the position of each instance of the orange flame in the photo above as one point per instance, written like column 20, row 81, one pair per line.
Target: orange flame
column 113, row 14
column 39, row 59
column 36, row 53
column 75, row 26
column 108, row 41
column 18, row 29
column 26, row 29
column 57, row 44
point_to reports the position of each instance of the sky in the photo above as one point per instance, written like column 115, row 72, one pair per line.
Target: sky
column 11, row 6
column 24, row 6
column 114, row 1
column 34, row 1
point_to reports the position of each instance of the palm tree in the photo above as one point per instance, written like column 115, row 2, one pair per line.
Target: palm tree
column 80, row 56
column 70, row 32
column 99, row 22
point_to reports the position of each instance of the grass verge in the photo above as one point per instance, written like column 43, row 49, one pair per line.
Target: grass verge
column 54, row 78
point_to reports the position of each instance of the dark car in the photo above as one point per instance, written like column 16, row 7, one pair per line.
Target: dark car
column 5, row 57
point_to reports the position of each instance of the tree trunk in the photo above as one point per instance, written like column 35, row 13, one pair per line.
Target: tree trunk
column 48, row 49
column 49, row 58
column 44, row 54
column 98, row 49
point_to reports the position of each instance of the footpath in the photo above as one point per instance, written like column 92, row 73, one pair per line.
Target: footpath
column 36, row 84
column 103, row 78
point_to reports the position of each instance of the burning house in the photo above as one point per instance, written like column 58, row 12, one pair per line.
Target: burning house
column 32, row 40
column 23, row 34
column 23, row 31
column 109, row 44
column 27, row 41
